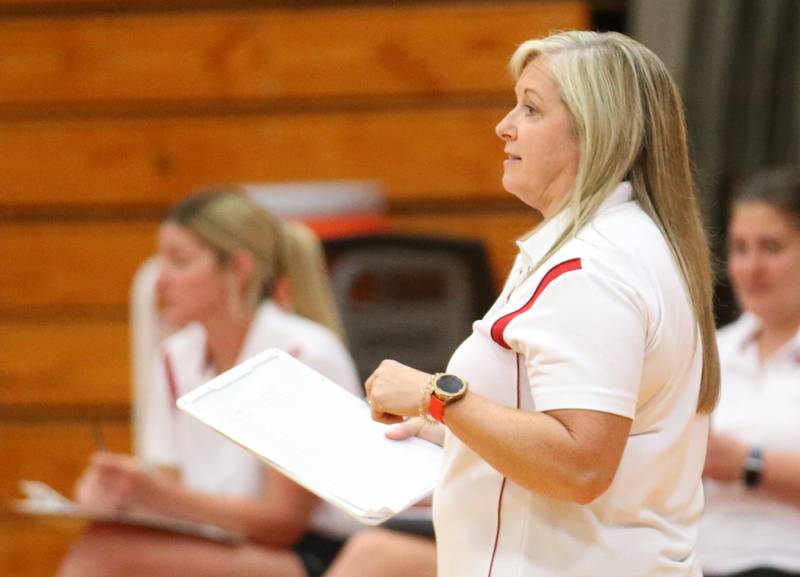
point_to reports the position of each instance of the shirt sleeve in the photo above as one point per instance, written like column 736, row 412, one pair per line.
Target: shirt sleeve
column 583, row 343
column 159, row 421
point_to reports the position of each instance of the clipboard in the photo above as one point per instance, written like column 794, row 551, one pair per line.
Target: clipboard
column 41, row 500
column 318, row 434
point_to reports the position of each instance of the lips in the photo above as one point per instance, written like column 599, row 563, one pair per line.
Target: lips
column 510, row 156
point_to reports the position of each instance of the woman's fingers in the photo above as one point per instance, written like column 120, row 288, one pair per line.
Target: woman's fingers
column 395, row 390
column 382, row 417
column 111, row 481
column 388, row 418
column 405, row 429
column 368, row 384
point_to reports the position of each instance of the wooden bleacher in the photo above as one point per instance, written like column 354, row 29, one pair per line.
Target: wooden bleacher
column 113, row 109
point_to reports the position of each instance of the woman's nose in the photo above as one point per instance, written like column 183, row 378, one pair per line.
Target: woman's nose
column 161, row 278
column 748, row 263
column 505, row 128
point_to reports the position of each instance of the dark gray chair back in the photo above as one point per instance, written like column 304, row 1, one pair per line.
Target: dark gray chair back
column 407, row 297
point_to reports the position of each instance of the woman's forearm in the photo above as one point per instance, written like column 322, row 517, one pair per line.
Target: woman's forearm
column 780, row 477
column 272, row 519
column 570, row 454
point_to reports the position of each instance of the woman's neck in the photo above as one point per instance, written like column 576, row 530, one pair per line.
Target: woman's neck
column 225, row 338
column 774, row 334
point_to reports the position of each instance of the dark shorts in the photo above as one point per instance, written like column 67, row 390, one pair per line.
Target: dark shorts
column 317, row 552
column 763, row 572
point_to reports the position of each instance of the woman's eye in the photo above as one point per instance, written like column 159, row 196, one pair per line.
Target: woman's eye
column 737, row 248
column 772, row 246
column 529, row 110
column 178, row 260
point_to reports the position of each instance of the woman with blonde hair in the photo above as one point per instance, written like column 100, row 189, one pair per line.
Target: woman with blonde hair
column 576, row 413
column 221, row 259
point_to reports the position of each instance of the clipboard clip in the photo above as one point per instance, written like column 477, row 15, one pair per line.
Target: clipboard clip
column 232, row 375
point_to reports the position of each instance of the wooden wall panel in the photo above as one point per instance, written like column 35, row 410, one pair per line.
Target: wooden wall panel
column 452, row 154
column 48, row 6
column 56, row 453
column 354, row 51
column 53, row 452
column 64, row 363
column 81, row 267
column 77, row 266
column 74, row 360
column 498, row 231
column 34, row 547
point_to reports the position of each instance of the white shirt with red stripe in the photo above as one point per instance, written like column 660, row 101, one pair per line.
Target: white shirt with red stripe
column 606, row 325
column 208, row 461
column 760, row 405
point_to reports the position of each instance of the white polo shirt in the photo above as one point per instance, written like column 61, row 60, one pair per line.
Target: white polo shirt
column 605, row 324
column 208, row 461
column 760, row 405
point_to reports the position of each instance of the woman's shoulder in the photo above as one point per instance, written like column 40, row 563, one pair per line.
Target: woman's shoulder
column 621, row 242
column 308, row 341
column 289, row 327
column 625, row 228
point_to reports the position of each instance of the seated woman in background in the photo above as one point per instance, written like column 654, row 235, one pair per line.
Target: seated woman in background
column 751, row 524
column 221, row 257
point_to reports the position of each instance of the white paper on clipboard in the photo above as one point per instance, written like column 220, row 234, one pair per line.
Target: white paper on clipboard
column 318, row 434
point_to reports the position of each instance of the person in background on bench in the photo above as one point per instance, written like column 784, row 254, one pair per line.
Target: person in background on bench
column 751, row 524
column 221, row 259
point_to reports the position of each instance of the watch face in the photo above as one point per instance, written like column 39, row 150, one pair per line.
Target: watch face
column 449, row 384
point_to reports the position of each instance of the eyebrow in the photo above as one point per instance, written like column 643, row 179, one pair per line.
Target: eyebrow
column 533, row 92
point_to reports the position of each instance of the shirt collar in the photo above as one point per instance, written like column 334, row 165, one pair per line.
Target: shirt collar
column 749, row 325
column 746, row 338
column 533, row 247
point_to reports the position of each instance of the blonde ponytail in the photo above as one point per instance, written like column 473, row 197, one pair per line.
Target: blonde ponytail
column 303, row 262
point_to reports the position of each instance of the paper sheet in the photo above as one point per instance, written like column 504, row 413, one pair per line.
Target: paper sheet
column 41, row 499
column 318, row 434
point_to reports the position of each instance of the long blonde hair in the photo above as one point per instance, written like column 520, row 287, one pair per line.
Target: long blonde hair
column 629, row 125
column 228, row 221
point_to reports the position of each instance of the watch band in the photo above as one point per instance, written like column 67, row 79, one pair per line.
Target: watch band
column 753, row 467
column 444, row 389
column 436, row 408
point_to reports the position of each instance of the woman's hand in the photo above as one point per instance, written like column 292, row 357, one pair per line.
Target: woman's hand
column 395, row 391
column 114, row 481
column 725, row 457
column 417, row 427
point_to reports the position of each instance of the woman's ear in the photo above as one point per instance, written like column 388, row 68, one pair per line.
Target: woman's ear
column 283, row 293
column 242, row 265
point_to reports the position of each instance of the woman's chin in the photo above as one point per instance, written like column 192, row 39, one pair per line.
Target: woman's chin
column 172, row 318
column 514, row 188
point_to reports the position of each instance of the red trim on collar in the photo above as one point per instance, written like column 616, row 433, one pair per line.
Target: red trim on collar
column 499, row 326
column 749, row 340
column 172, row 384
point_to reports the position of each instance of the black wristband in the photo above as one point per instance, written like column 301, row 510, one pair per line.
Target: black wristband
column 753, row 467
